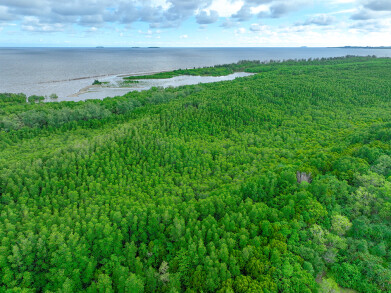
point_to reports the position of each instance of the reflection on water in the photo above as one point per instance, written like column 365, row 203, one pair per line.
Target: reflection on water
column 145, row 84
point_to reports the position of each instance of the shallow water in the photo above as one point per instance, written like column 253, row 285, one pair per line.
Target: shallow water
column 64, row 71
column 146, row 84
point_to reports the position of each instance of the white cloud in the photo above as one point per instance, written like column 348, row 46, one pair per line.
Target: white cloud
column 345, row 11
column 32, row 24
column 160, row 3
column 205, row 17
column 260, row 8
column 241, row 30
column 339, row 2
column 226, row 8
column 320, row 19
column 342, row 1
column 257, row 28
column 353, row 21
column 149, row 32
column 229, row 23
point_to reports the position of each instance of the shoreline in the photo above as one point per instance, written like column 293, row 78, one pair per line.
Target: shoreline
column 143, row 73
column 105, row 75
column 87, row 89
column 83, row 91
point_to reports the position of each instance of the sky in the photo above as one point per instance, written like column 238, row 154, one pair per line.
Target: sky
column 195, row 23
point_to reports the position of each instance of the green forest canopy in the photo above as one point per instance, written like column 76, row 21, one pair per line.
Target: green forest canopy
column 194, row 189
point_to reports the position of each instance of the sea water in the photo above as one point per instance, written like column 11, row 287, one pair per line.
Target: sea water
column 65, row 71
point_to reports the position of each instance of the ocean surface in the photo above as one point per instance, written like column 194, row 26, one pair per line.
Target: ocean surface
column 66, row 71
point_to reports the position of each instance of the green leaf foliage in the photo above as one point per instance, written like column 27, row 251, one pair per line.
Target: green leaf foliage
column 194, row 189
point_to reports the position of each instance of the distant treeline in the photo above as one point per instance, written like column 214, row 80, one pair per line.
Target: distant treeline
column 249, row 66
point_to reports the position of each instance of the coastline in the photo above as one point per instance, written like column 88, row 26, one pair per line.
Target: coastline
column 146, row 84
column 143, row 73
column 87, row 88
column 83, row 91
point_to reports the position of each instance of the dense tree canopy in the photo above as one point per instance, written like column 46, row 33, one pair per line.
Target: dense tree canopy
column 194, row 189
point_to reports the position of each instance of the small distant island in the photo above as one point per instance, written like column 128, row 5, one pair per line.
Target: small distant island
column 363, row 47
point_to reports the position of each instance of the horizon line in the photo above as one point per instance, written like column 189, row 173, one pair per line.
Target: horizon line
column 166, row 47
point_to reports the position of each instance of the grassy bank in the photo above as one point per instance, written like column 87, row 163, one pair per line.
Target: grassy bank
column 218, row 70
